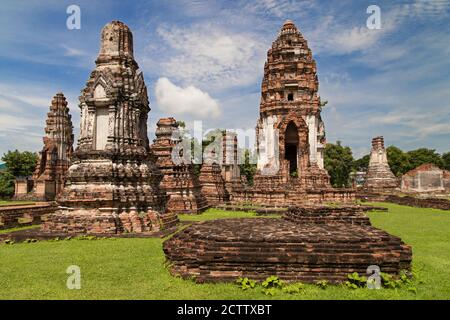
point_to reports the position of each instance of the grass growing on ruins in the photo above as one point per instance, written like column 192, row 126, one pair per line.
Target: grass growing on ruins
column 211, row 214
column 12, row 203
column 18, row 229
column 134, row 268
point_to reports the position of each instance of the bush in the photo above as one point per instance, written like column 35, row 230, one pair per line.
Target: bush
column 246, row 283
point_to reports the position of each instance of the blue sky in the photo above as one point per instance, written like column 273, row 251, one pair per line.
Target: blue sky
column 204, row 60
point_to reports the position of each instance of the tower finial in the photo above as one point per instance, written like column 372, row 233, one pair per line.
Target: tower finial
column 116, row 40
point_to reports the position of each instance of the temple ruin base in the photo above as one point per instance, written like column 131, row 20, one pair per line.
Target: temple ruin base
column 289, row 196
column 306, row 250
column 107, row 221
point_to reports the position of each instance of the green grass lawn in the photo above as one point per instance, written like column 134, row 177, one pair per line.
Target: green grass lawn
column 10, row 202
column 222, row 214
column 134, row 268
column 18, row 229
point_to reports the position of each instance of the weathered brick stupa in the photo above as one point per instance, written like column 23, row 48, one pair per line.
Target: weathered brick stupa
column 379, row 175
column 213, row 185
column 54, row 159
column 231, row 172
column 179, row 180
column 112, row 184
column 290, row 131
column 220, row 173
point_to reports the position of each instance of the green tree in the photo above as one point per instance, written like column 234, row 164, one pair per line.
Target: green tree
column 423, row 155
column 361, row 164
column 6, row 184
column 339, row 162
column 20, row 164
column 398, row 161
column 181, row 124
column 248, row 169
column 446, row 160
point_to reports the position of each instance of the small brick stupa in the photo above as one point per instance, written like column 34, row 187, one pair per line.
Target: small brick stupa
column 112, row 185
column 213, row 184
column 54, row 159
column 179, row 180
column 379, row 175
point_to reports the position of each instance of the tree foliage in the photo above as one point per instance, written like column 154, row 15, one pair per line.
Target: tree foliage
column 446, row 160
column 338, row 161
column 181, row 124
column 20, row 164
column 248, row 169
column 6, row 184
column 423, row 155
column 398, row 161
column 362, row 163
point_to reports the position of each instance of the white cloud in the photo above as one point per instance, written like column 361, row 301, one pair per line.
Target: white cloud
column 23, row 112
column 73, row 52
column 425, row 9
column 283, row 9
column 205, row 55
column 355, row 39
column 185, row 101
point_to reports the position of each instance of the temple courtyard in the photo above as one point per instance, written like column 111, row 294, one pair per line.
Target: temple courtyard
column 136, row 268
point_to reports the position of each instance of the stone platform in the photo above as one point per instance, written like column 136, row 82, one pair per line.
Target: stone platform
column 37, row 234
column 107, row 221
column 24, row 215
column 223, row 250
column 351, row 214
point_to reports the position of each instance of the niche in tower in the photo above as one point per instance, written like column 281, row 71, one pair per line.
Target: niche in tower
column 101, row 128
column 291, row 147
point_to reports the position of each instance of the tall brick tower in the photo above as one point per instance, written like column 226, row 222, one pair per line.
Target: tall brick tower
column 112, row 184
column 290, row 130
column 54, row 159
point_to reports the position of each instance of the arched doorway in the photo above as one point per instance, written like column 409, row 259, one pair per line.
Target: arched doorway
column 291, row 147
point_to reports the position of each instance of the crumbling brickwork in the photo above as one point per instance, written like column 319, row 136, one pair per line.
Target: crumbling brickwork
column 305, row 249
column 212, row 184
column 427, row 178
column 24, row 215
column 179, row 180
column 326, row 215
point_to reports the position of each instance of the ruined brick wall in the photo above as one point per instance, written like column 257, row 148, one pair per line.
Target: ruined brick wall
column 447, row 180
column 213, row 185
column 179, row 181
column 435, row 203
column 425, row 178
column 24, row 215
